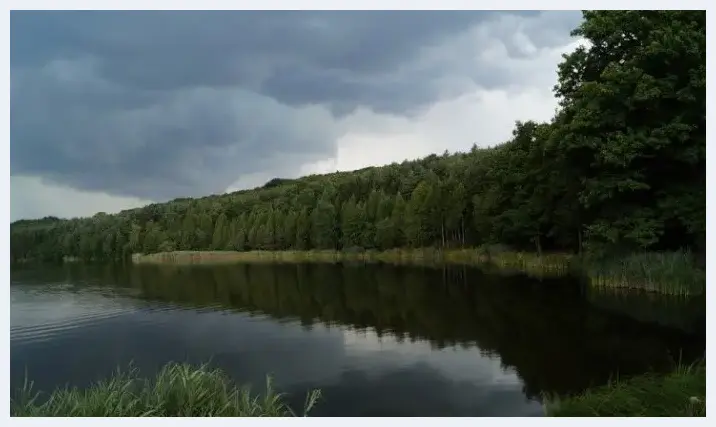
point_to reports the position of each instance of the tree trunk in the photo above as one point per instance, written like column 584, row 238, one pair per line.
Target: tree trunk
column 538, row 243
column 462, row 231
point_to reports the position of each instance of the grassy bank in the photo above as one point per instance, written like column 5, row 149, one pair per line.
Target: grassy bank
column 672, row 273
column 681, row 393
column 179, row 390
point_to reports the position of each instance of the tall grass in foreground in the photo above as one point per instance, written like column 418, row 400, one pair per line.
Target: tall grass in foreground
column 178, row 390
column 681, row 393
column 672, row 273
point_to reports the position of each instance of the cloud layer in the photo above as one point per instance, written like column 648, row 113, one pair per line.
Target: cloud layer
column 156, row 105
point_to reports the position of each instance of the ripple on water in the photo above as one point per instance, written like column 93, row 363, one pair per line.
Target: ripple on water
column 59, row 311
column 60, row 327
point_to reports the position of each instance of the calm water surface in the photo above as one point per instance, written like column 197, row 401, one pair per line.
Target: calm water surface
column 378, row 340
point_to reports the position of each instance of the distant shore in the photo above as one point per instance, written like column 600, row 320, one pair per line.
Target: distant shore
column 554, row 265
column 665, row 273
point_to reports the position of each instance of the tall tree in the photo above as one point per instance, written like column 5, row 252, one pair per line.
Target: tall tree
column 635, row 124
column 352, row 223
column 218, row 241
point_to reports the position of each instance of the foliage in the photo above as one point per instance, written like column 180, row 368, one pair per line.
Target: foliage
column 620, row 166
column 179, row 390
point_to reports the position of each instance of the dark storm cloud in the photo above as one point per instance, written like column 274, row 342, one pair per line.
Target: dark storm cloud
column 192, row 142
column 165, row 104
column 330, row 52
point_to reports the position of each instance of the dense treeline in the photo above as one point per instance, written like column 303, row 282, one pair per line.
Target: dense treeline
column 621, row 165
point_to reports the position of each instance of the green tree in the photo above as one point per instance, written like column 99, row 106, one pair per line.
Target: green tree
column 324, row 222
column 398, row 220
column 303, row 230
column 218, row 241
column 634, row 106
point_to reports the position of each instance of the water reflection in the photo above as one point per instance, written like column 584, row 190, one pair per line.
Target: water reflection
column 378, row 340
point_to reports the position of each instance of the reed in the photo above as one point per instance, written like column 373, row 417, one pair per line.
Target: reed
column 396, row 256
column 672, row 273
column 178, row 390
column 546, row 265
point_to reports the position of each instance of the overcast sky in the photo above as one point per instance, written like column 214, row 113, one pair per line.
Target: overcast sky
column 111, row 110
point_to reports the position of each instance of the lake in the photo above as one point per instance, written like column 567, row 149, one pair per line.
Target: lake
column 377, row 340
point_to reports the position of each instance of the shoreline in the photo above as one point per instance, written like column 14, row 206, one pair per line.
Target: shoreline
column 549, row 265
column 683, row 279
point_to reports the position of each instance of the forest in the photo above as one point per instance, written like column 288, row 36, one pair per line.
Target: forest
column 620, row 168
